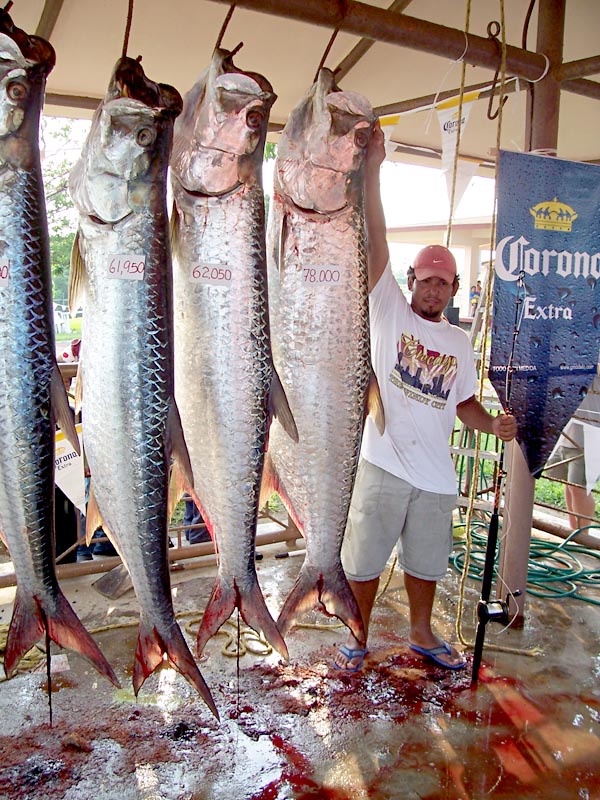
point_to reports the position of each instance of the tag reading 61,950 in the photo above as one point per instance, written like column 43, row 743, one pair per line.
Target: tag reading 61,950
column 127, row 268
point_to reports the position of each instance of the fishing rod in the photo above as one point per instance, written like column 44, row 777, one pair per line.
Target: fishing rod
column 496, row 610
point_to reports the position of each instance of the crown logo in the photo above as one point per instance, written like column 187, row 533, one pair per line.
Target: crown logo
column 552, row 215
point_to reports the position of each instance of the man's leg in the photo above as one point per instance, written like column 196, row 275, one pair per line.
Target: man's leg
column 365, row 593
column 421, row 594
column 579, row 502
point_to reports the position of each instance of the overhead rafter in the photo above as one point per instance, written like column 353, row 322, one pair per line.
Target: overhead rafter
column 359, row 50
column 50, row 12
column 383, row 25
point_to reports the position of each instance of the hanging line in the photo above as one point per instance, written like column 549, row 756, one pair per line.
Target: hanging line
column 343, row 11
column 485, row 327
column 459, row 129
column 127, row 29
column 224, row 27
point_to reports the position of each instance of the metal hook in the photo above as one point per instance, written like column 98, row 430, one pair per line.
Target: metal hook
column 493, row 30
column 225, row 24
column 343, row 6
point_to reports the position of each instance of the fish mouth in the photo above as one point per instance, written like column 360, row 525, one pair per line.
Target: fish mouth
column 108, row 223
column 202, row 192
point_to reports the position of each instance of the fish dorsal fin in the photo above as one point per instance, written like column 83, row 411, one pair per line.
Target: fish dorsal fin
column 62, row 410
column 374, row 404
column 76, row 276
column 279, row 407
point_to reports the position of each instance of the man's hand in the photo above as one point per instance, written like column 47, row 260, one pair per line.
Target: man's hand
column 504, row 427
column 375, row 150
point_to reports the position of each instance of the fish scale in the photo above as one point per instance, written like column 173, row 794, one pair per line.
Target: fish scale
column 32, row 395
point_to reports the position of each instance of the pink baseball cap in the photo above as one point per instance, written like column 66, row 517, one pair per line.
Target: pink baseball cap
column 434, row 261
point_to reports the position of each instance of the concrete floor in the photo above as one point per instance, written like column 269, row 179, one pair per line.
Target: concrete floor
column 401, row 729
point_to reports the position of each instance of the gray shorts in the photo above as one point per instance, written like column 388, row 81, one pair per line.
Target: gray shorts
column 574, row 471
column 387, row 511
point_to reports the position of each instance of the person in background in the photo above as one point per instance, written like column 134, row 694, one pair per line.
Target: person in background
column 567, row 461
column 405, row 488
column 474, row 296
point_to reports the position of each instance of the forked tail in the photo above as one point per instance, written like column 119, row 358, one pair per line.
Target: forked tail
column 330, row 592
column 226, row 596
column 149, row 652
column 28, row 624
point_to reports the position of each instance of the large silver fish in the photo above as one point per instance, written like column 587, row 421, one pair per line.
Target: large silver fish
column 225, row 384
column 131, row 427
column 32, row 394
column 320, row 331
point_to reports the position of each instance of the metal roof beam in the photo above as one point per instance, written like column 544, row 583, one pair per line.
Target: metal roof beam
column 382, row 25
column 581, row 68
column 363, row 47
column 50, row 12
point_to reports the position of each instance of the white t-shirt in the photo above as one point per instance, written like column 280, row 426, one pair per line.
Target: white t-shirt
column 424, row 370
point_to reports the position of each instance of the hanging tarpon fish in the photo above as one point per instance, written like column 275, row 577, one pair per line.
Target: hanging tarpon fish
column 320, row 330
column 32, row 394
column 225, row 384
column 121, row 267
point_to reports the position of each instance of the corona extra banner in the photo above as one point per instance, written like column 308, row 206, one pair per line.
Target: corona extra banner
column 546, row 317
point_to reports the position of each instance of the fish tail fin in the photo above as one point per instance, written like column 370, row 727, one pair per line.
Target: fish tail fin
column 330, row 592
column 149, row 655
column 28, row 625
column 227, row 596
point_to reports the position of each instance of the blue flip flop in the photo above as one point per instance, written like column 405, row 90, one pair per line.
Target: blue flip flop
column 351, row 653
column 433, row 654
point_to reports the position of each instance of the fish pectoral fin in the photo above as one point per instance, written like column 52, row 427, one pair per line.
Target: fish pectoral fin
column 62, row 410
column 76, row 276
column 280, row 408
column 374, row 404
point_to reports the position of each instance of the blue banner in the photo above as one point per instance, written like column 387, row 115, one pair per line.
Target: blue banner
column 546, row 317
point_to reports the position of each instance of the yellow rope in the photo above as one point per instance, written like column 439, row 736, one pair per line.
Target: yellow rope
column 482, row 369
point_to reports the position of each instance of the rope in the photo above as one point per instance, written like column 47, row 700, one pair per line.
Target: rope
column 485, row 327
column 463, row 73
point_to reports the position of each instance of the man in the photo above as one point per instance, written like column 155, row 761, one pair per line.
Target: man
column 405, row 488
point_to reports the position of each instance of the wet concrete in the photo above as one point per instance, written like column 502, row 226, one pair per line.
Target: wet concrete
column 400, row 729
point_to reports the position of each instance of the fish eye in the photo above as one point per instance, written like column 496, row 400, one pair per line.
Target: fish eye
column 17, row 90
column 145, row 137
column 254, row 120
column 361, row 137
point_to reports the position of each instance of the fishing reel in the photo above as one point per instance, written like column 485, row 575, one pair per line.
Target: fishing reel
column 495, row 610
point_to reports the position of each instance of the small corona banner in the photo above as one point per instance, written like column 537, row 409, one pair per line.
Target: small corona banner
column 546, row 314
column 69, row 469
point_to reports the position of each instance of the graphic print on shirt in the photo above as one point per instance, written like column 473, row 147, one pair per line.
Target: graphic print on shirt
column 424, row 375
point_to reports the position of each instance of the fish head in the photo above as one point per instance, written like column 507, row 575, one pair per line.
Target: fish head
column 25, row 62
column 220, row 136
column 127, row 147
column 321, row 154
